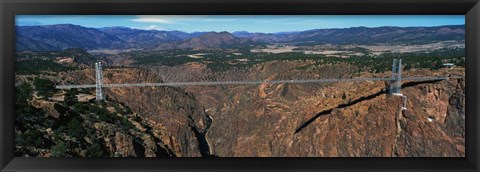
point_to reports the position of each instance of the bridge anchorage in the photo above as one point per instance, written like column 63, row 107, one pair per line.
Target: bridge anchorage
column 394, row 82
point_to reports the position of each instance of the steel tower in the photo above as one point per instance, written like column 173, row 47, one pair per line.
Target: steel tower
column 98, row 81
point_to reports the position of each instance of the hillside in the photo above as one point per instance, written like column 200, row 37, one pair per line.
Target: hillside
column 64, row 36
column 145, row 39
column 208, row 40
column 172, row 124
column 364, row 35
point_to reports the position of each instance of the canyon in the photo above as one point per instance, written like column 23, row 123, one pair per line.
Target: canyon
column 356, row 119
column 336, row 119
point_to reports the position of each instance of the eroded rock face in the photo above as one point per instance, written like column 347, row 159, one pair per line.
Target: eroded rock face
column 435, row 133
column 124, row 145
column 175, row 117
column 116, row 143
column 298, row 120
column 335, row 119
column 132, row 122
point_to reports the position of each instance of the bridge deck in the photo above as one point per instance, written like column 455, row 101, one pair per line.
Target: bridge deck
column 247, row 82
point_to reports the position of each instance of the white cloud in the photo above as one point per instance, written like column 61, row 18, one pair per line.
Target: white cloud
column 152, row 19
column 155, row 27
column 218, row 20
column 178, row 19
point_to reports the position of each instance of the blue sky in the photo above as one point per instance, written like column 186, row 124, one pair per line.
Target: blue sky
column 231, row 23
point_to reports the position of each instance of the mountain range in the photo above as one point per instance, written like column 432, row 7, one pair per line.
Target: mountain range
column 208, row 40
column 65, row 36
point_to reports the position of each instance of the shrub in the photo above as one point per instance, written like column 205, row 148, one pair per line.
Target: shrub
column 74, row 128
column 23, row 93
column 128, row 110
column 71, row 97
column 44, row 87
column 106, row 116
column 80, row 107
column 31, row 137
column 127, row 124
column 62, row 149
column 95, row 150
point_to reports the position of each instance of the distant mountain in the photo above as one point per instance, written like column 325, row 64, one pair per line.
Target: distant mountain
column 26, row 43
column 268, row 37
column 64, row 36
column 364, row 35
column 147, row 38
column 208, row 40
column 260, row 37
column 242, row 34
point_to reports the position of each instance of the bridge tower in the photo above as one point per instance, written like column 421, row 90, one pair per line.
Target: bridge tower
column 396, row 83
column 98, row 81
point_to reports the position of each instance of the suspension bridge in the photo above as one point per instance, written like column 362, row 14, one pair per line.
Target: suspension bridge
column 395, row 82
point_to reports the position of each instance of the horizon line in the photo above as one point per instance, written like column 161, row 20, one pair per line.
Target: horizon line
column 134, row 28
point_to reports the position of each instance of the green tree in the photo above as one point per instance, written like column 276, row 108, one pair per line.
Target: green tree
column 127, row 125
column 104, row 115
column 74, row 128
column 31, row 137
column 61, row 149
column 71, row 97
column 407, row 67
column 128, row 110
column 23, row 93
column 438, row 65
column 80, row 107
column 44, row 87
column 461, row 62
column 95, row 150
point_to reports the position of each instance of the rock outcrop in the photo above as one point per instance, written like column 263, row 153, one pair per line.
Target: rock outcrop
column 176, row 117
column 332, row 119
